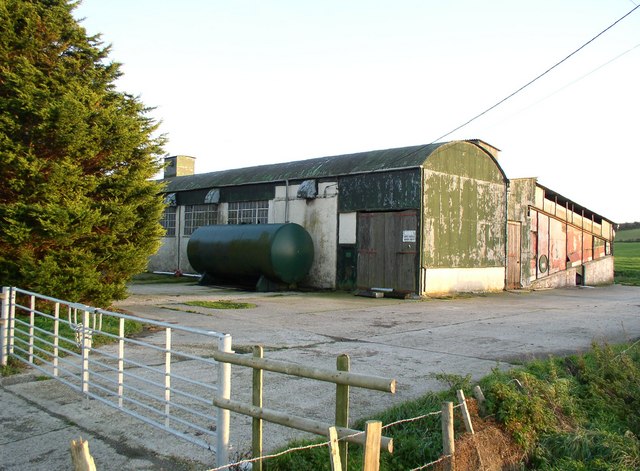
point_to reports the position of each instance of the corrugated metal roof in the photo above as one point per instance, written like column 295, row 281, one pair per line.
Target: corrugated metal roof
column 348, row 164
column 551, row 194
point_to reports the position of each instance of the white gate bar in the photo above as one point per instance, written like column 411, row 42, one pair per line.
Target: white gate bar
column 56, row 330
column 224, row 392
column 12, row 318
column 167, row 377
column 4, row 327
column 120, row 362
column 86, row 346
column 102, row 373
column 32, row 323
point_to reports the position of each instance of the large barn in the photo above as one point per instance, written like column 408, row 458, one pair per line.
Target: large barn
column 429, row 219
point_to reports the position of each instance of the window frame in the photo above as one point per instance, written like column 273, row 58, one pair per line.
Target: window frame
column 197, row 215
column 168, row 221
column 248, row 212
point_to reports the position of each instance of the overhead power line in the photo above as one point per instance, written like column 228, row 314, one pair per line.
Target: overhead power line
column 573, row 82
column 466, row 123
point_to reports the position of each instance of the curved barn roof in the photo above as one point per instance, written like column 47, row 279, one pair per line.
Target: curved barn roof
column 348, row 164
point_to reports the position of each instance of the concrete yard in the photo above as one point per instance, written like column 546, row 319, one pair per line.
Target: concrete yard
column 408, row 340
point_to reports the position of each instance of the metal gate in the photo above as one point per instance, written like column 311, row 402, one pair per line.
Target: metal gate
column 165, row 377
column 387, row 250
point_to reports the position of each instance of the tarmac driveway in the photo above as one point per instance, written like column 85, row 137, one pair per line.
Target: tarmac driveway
column 408, row 340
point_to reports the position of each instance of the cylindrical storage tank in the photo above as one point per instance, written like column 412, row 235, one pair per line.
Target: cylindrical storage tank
column 281, row 252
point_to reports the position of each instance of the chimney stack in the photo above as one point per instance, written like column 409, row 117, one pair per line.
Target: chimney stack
column 179, row 165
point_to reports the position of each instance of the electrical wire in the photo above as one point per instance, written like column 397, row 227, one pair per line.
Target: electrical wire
column 511, row 95
column 573, row 82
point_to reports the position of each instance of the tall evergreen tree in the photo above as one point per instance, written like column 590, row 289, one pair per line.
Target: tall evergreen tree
column 79, row 213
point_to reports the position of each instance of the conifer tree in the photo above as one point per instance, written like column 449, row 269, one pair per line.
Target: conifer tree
column 79, row 213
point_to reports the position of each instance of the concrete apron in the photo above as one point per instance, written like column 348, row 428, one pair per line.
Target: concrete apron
column 405, row 340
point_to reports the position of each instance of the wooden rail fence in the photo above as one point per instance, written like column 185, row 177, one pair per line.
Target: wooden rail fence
column 341, row 377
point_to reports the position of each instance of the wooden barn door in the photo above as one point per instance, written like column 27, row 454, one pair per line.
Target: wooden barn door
column 387, row 250
column 513, row 255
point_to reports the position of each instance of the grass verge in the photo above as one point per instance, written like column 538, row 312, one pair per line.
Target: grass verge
column 580, row 412
column 627, row 263
column 221, row 304
column 154, row 278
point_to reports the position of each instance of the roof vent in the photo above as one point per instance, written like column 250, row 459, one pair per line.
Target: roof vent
column 308, row 190
column 212, row 197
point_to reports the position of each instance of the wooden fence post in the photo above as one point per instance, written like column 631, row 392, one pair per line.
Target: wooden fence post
column 372, row 437
column 256, row 432
column 479, row 395
column 466, row 418
column 80, row 456
column 343, row 363
column 334, row 450
column 448, row 439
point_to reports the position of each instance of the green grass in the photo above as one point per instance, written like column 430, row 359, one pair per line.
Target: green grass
column 221, row 304
column 13, row 367
column 153, row 278
column 415, row 443
column 627, row 263
column 627, row 235
column 581, row 412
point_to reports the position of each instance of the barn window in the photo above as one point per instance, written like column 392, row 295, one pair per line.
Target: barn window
column 197, row 215
column 599, row 248
column 168, row 221
column 248, row 212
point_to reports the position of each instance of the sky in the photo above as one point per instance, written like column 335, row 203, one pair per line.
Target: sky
column 238, row 83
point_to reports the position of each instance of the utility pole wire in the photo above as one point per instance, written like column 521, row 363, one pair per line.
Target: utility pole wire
column 538, row 77
column 573, row 82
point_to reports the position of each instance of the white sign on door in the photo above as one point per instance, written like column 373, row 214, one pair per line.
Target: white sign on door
column 408, row 236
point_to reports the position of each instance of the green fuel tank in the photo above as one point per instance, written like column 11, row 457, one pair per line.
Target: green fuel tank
column 280, row 252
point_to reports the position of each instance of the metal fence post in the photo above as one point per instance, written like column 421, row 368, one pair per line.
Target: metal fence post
column 32, row 324
column 224, row 392
column 121, row 363
column 12, row 318
column 86, row 346
column 167, row 377
column 4, row 327
column 56, row 338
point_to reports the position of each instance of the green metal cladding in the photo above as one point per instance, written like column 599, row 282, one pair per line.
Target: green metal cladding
column 380, row 191
column 464, row 204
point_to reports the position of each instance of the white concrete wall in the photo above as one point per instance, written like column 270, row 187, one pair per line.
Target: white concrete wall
column 556, row 280
column 462, row 280
column 172, row 254
column 594, row 273
column 599, row 272
column 319, row 217
column 165, row 259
